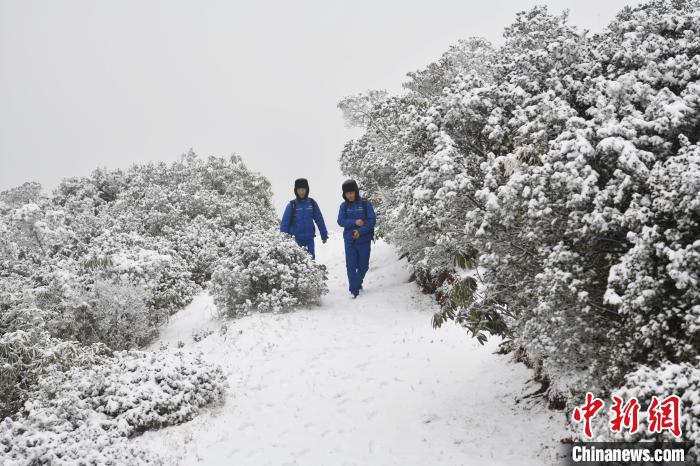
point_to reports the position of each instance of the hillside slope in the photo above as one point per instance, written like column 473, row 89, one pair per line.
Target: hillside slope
column 365, row 382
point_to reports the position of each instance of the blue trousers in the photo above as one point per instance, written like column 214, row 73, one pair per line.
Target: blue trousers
column 309, row 244
column 357, row 263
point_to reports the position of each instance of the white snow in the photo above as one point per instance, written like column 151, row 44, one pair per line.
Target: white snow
column 357, row 382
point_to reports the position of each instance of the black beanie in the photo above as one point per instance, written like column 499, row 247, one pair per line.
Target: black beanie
column 350, row 186
column 301, row 183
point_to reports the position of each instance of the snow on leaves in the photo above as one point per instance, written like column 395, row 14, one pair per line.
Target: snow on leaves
column 569, row 163
column 87, row 414
column 266, row 272
column 97, row 266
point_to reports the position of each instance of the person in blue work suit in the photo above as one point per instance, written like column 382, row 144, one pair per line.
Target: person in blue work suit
column 356, row 216
column 299, row 217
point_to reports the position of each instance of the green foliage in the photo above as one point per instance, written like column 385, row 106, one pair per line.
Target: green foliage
column 487, row 318
column 465, row 259
column 460, row 295
column 93, row 263
column 570, row 163
column 484, row 320
column 25, row 356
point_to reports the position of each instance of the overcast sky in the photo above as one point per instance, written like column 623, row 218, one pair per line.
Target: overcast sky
column 95, row 83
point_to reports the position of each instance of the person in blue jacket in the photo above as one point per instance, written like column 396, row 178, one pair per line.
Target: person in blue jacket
column 356, row 216
column 299, row 217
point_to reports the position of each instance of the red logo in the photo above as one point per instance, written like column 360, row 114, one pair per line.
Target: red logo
column 665, row 415
column 587, row 411
column 627, row 415
column 662, row 415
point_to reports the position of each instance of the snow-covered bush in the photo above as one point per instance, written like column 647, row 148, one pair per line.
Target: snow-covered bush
column 656, row 285
column 149, row 264
column 112, row 313
column 266, row 271
column 50, row 441
column 565, row 166
column 27, row 354
column 146, row 390
column 93, row 308
column 12, row 288
column 99, row 265
column 147, row 235
column 88, row 412
column 201, row 243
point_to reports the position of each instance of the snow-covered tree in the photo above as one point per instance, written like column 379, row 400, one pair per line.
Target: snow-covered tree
column 561, row 168
column 96, row 266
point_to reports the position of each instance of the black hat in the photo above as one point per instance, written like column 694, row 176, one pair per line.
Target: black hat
column 301, row 183
column 350, row 186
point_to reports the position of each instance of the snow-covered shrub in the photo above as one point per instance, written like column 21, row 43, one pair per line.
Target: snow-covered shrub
column 103, row 261
column 567, row 163
column 32, row 232
column 146, row 390
column 20, row 195
column 22, row 317
column 656, row 285
column 266, row 271
column 577, row 220
column 149, row 264
column 26, row 355
column 93, row 308
column 147, row 235
column 12, row 287
column 160, row 200
column 112, row 313
column 52, row 441
column 201, row 243
column 443, row 148
column 92, row 410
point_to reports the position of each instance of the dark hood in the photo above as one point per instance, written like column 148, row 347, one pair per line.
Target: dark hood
column 301, row 183
column 350, row 186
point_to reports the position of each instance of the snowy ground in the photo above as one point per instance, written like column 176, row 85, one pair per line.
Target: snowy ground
column 357, row 382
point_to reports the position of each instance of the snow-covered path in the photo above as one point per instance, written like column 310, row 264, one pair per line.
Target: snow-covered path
column 356, row 382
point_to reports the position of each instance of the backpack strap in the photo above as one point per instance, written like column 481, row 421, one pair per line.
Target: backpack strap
column 293, row 204
column 364, row 207
column 313, row 207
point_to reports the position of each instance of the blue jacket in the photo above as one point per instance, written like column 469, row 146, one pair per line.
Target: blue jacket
column 351, row 211
column 303, row 228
